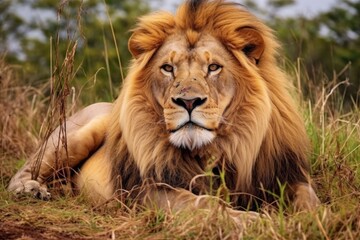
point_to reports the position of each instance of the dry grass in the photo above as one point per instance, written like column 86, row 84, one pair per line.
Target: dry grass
column 21, row 108
column 335, row 136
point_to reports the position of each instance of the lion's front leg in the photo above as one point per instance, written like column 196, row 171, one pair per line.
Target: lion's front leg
column 304, row 196
column 174, row 200
column 85, row 130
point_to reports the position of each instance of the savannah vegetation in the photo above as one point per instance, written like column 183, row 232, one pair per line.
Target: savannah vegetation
column 76, row 54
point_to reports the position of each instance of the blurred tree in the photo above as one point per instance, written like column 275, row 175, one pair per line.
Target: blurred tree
column 10, row 28
column 343, row 26
column 327, row 44
column 100, row 30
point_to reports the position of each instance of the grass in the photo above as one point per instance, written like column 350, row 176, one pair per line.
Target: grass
column 334, row 132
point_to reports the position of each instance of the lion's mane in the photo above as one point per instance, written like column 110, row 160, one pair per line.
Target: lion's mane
column 264, row 141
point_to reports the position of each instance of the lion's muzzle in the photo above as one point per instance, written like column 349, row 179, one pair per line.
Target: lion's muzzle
column 188, row 125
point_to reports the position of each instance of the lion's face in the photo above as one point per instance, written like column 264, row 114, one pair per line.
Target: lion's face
column 193, row 86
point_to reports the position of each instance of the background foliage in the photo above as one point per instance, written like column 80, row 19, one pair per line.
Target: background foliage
column 40, row 40
column 325, row 45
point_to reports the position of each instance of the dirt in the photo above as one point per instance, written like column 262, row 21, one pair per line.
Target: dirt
column 14, row 230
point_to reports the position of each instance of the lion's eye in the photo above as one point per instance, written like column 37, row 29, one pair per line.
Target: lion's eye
column 167, row 68
column 214, row 67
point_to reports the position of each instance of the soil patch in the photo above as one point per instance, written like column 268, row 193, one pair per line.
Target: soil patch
column 14, row 230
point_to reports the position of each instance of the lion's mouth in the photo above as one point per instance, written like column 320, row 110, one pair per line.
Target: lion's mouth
column 191, row 135
column 190, row 125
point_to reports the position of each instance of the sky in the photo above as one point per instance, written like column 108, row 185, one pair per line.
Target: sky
column 302, row 7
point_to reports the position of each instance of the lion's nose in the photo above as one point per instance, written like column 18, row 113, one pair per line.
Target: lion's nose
column 189, row 104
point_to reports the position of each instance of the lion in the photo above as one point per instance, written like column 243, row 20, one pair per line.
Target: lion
column 204, row 110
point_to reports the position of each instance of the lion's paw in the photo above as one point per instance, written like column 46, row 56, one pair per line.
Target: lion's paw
column 242, row 219
column 33, row 188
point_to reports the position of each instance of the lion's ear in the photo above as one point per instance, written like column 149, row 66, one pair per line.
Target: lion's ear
column 254, row 43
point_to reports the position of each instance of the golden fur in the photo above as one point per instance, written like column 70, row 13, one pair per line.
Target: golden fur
column 214, row 64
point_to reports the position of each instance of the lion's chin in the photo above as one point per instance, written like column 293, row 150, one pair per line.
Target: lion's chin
column 191, row 137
